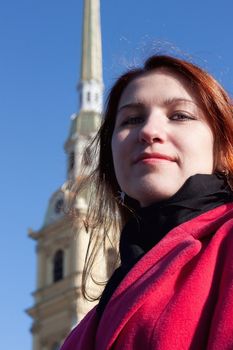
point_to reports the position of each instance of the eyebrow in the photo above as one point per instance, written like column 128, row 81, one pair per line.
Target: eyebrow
column 132, row 105
column 167, row 102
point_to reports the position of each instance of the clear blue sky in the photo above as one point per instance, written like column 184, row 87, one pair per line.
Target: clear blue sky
column 40, row 45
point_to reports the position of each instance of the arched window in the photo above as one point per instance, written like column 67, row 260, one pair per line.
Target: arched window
column 88, row 96
column 71, row 161
column 58, row 262
column 59, row 206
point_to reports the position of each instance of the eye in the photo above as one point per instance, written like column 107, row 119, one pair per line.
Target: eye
column 181, row 117
column 133, row 120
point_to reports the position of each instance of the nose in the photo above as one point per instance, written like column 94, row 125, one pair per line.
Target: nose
column 153, row 130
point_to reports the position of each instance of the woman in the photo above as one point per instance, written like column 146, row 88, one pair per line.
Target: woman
column 166, row 145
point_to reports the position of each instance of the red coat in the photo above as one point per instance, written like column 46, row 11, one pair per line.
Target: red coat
column 178, row 296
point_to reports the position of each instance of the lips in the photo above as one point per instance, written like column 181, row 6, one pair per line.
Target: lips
column 153, row 156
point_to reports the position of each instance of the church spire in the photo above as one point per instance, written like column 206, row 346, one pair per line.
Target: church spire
column 85, row 124
column 91, row 80
column 91, row 68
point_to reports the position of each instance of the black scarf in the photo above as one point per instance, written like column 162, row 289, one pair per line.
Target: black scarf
column 198, row 194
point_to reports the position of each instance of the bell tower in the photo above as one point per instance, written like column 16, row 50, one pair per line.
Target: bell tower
column 58, row 303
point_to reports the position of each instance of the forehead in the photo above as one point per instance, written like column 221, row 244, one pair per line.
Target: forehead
column 158, row 86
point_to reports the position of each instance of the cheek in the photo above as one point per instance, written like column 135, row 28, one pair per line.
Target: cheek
column 117, row 153
column 204, row 143
column 115, row 145
column 197, row 147
column 121, row 157
column 119, row 145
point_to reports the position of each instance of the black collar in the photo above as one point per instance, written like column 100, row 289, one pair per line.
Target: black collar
column 198, row 194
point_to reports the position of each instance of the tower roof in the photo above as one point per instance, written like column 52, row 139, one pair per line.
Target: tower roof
column 91, row 67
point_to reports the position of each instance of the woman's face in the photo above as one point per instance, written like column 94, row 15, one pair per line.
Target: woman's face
column 161, row 137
